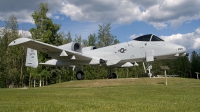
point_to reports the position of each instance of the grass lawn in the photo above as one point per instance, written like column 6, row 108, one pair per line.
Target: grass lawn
column 122, row 95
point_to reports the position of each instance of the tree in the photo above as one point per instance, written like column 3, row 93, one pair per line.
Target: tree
column 67, row 38
column 195, row 63
column 105, row 38
column 12, row 58
column 46, row 31
column 78, row 39
column 92, row 40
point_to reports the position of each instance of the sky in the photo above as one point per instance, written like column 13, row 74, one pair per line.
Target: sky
column 175, row 21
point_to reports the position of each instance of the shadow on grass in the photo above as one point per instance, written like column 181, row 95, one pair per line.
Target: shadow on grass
column 161, row 83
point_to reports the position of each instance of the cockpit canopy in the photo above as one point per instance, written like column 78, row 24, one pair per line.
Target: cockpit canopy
column 148, row 37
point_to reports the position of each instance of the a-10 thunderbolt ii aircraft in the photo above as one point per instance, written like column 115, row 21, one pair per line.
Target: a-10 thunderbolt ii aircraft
column 144, row 48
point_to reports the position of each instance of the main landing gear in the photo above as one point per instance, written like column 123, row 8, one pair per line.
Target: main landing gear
column 79, row 72
column 111, row 74
column 80, row 75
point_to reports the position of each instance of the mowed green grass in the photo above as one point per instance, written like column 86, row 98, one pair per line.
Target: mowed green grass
column 119, row 95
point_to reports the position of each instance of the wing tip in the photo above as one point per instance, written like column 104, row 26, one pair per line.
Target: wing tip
column 19, row 41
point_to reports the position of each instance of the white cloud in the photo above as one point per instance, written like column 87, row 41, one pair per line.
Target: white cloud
column 22, row 33
column 189, row 40
column 119, row 11
column 159, row 25
column 160, row 14
column 22, row 9
column 83, row 29
column 56, row 17
column 172, row 12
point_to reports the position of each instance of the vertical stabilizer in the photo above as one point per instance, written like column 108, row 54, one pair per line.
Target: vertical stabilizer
column 31, row 58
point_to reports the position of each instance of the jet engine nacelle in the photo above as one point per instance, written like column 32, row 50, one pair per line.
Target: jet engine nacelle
column 74, row 46
column 88, row 48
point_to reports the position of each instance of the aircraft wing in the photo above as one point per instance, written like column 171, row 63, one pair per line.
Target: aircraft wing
column 51, row 50
column 60, row 53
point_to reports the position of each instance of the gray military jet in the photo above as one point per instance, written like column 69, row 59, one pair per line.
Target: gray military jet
column 144, row 48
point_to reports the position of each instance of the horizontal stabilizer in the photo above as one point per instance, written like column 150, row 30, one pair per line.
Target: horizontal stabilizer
column 55, row 62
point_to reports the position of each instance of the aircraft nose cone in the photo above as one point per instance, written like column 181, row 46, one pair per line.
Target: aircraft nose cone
column 180, row 51
column 184, row 49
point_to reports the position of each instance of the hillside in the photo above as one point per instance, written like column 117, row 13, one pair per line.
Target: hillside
column 141, row 94
column 125, row 81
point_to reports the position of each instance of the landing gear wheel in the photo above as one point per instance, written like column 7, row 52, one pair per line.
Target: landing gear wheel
column 112, row 76
column 80, row 75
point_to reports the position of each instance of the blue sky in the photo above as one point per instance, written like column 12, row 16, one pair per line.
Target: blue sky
column 176, row 21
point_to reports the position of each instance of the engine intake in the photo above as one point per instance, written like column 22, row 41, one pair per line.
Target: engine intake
column 74, row 46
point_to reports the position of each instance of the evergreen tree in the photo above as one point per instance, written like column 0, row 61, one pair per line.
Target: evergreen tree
column 92, row 40
column 67, row 38
column 105, row 38
column 12, row 58
column 194, row 58
column 78, row 39
column 45, row 31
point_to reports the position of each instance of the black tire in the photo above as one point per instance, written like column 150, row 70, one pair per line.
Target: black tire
column 80, row 75
column 112, row 76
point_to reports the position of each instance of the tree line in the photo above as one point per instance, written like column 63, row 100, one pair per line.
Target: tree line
column 14, row 73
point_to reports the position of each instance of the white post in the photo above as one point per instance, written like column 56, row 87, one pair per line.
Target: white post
column 165, row 77
column 197, row 75
column 40, row 82
column 34, row 83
